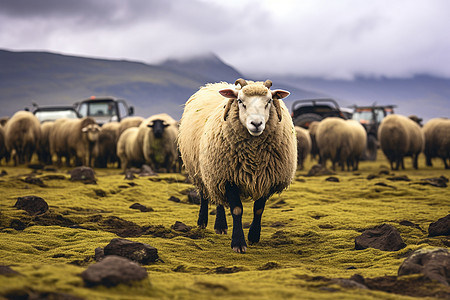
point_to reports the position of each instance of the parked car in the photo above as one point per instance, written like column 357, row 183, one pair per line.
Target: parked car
column 308, row 110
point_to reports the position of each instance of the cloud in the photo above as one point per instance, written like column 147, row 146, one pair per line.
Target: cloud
column 309, row 38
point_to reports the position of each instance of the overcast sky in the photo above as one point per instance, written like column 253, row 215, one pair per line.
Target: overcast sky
column 336, row 39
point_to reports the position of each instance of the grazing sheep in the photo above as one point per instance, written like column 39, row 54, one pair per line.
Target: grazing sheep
column 74, row 138
column 312, row 133
column 238, row 141
column 158, row 134
column 129, row 122
column 44, row 153
column 129, row 150
column 303, row 146
column 359, row 142
column 437, row 140
column 22, row 135
column 335, row 142
column 105, row 150
column 399, row 136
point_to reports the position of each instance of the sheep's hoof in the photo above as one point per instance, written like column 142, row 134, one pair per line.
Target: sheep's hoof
column 221, row 231
column 240, row 249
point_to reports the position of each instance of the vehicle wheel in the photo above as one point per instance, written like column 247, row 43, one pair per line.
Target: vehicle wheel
column 371, row 149
column 306, row 119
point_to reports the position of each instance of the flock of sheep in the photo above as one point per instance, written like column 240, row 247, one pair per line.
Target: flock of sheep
column 235, row 141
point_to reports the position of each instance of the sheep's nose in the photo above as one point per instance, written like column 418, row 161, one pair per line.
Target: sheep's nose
column 256, row 124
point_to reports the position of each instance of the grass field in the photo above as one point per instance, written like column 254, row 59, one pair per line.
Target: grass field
column 307, row 237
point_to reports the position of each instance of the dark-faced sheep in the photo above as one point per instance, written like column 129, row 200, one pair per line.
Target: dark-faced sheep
column 399, row 136
column 22, row 135
column 238, row 141
column 437, row 140
column 158, row 134
column 335, row 142
column 303, row 145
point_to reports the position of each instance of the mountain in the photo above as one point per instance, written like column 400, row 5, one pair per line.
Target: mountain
column 54, row 79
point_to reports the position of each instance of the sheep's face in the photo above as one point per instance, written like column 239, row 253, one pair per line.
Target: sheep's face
column 254, row 108
column 158, row 127
column 91, row 131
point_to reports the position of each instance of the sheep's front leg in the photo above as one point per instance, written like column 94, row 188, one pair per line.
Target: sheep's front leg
column 255, row 229
column 203, row 213
column 237, row 238
column 221, row 226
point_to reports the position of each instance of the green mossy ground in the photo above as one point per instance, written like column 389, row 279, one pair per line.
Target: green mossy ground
column 308, row 233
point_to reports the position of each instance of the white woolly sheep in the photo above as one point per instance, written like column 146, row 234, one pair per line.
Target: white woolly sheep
column 437, row 140
column 312, row 133
column 400, row 136
column 129, row 150
column 359, row 142
column 158, row 135
column 128, row 123
column 303, row 145
column 238, row 141
column 43, row 151
column 74, row 138
column 335, row 142
column 105, row 150
column 22, row 135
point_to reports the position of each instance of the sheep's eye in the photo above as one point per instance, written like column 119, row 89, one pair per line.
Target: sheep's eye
column 239, row 101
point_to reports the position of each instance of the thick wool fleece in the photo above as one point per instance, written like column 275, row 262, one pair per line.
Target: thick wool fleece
column 217, row 151
column 334, row 139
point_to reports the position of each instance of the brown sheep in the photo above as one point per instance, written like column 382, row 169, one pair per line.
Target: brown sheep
column 106, row 146
column 437, row 140
column 303, row 146
column 400, row 136
column 44, row 153
column 74, row 138
column 334, row 140
column 22, row 135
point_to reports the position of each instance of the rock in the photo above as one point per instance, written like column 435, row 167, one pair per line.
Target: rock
column 99, row 254
column 3, row 173
column 135, row 251
column 34, row 180
column 440, row 227
column 146, row 170
column 113, row 270
column 399, row 178
column 129, row 175
column 141, row 207
column 318, row 170
column 193, row 197
column 174, row 199
column 332, row 179
column 434, row 264
column 33, row 205
column 179, row 226
column 436, row 181
column 7, row 271
column 383, row 237
column 84, row 174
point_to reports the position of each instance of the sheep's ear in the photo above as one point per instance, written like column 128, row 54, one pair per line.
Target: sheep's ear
column 280, row 94
column 84, row 129
column 227, row 109
column 229, row 93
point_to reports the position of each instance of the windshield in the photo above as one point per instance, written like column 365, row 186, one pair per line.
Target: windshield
column 98, row 109
column 54, row 115
column 366, row 116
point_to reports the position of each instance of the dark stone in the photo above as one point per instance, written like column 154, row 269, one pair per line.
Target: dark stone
column 318, row 170
column 332, row 179
column 138, row 252
column 100, row 193
column 34, row 180
column 399, row 178
column 269, row 266
column 384, row 237
column 411, row 224
column 33, row 205
column 146, row 170
column 437, row 181
column 372, row 176
column 141, row 207
column 113, row 270
column 174, row 199
column 3, row 173
column 54, row 177
column 228, row 270
column 193, row 197
column 83, row 174
column 17, row 224
column 434, row 264
column 179, row 226
column 7, row 271
column 440, row 227
column 129, row 175
column 99, row 254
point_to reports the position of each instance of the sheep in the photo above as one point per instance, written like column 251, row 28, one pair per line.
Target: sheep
column 335, row 142
column 44, row 153
column 303, row 145
column 129, row 150
column 399, row 136
column 74, row 138
column 3, row 152
column 237, row 141
column 359, row 142
column 22, row 134
column 106, row 147
column 158, row 135
column 312, row 133
column 437, row 140
column 129, row 122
